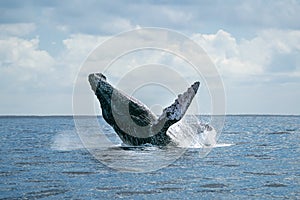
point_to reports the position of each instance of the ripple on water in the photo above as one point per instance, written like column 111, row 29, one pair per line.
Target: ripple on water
column 79, row 173
column 275, row 185
column 279, row 132
column 261, row 173
column 214, row 185
column 44, row 193
column 231, row 165
column 134, row 193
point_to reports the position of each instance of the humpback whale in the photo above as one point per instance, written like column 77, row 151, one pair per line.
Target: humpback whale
column 134, row 123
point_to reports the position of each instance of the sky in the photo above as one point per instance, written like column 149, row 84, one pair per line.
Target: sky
column 255, row 46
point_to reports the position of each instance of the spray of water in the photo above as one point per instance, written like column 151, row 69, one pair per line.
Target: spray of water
column 67, row 140
column 191, row 133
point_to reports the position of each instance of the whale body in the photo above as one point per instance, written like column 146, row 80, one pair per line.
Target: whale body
column 134, row 123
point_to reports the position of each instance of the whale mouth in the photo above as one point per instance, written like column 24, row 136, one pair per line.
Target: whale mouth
column 94, row 80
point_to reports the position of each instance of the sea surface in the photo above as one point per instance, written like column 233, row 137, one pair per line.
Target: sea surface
column 256, row 157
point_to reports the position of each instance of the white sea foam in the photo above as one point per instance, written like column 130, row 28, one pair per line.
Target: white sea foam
column 223, row 145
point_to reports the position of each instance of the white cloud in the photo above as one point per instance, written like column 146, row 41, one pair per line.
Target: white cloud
column 237, row 60
column 18, row 29
column 117, row 25
column 251, row 57
column 26, row 67
column 24, row 54
column 23, row 62
column 77, row 48
column 176, row 15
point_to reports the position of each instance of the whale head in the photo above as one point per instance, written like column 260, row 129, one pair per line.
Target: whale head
column 95, row 79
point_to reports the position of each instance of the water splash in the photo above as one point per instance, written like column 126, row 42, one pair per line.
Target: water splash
column 191, row 133
column 188, row 133
column 66, row 141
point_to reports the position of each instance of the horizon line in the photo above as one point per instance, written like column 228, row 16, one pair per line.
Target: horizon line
column 88, row 115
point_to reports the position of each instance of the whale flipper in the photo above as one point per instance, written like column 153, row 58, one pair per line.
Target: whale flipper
column 134, row 123
column 176, row 111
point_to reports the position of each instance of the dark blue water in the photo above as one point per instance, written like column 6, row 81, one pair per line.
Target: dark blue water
column 41, row 157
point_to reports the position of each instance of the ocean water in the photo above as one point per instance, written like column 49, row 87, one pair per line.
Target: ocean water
column 256, row 157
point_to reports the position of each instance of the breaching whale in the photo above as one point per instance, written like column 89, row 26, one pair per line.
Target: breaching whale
column 134, row 123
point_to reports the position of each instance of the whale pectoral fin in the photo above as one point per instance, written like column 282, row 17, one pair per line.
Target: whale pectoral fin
column 176, row 111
